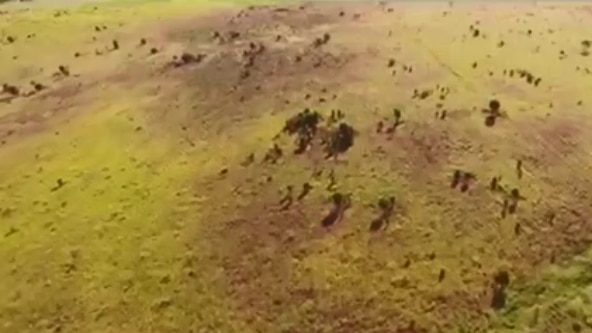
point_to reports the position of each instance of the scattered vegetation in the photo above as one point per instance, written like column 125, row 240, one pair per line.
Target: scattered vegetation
column 64, row 70
column 178, row 161
column 386, row 207
column 10, row 89
column 501, row 280
column 341, row 202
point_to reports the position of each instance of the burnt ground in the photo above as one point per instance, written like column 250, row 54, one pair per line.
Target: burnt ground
column 324, row 167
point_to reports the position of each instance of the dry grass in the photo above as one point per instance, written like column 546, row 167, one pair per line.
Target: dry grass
column 135, row 195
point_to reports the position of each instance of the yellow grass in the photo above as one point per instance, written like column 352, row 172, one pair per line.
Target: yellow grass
column 136, row 237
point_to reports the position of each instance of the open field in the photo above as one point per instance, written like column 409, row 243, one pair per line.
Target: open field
column 207, row 166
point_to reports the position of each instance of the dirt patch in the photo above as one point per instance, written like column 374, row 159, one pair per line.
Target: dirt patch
column 256, row 250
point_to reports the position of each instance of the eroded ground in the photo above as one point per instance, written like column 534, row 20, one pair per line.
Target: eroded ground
column 361, row 167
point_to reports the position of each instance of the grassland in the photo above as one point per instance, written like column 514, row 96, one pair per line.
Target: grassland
column 135, row 195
